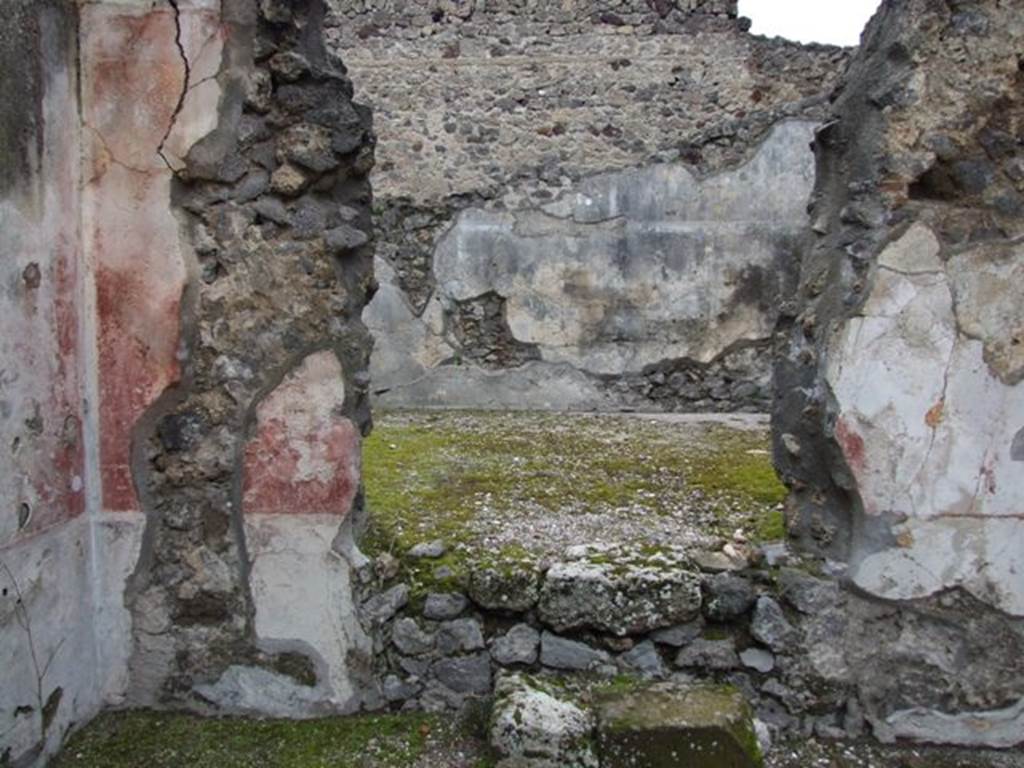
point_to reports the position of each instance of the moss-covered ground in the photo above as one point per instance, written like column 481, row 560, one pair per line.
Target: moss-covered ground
column 161, row 740
column 524, row 484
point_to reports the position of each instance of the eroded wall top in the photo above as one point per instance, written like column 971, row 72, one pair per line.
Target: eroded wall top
column 416, row 18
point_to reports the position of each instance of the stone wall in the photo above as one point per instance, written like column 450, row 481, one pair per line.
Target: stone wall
column 900, row 400
column 362, row 18
column 581, row 205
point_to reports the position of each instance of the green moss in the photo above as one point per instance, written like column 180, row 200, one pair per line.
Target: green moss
column 159, row 740
column 620, row 684
column 771, row 526
column 715, row 633
column 739, row 466
column 427, row 476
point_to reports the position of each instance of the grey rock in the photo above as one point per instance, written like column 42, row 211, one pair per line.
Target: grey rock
column 758, row 659
column 460, row 636
column 309, row 146
column 807, row 593
column 410, row 639
column 253, row 690
column 341, row 240
column 441, row 607
column 272, row 209
column 727, row 596
column 427, row 549
column 254, row 184
column 770, row 626
column 718, row 562
column 646, row 660
column 414, row 667
column 561, row 653
column 618, row 593
column 517, row 646
column 790, row 698
column 512, row 587
column 397, row 689
column 439, row 698
column 465, row 674
column 532, row 728
column 679, row 635
column 709, row 654
column 381, row 608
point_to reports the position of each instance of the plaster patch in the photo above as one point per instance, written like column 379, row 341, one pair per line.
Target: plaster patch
column 637, row 266
column 302, row 591
column 1000, row 729
column 132, row 79
column 988, row 285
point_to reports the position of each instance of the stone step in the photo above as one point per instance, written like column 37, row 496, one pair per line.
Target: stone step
column 537, row 724
column 669, row 725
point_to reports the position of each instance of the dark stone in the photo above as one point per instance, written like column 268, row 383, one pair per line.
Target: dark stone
column 1017, row 448
column 441, row 607
column 459, row 636
column 807, row 593
column 410, row 639
column 561, row 653
column 708, row 655
column 465, row 674
column 770, row 625
column 344, row 239
column 518, row 646
column 727, row 597
column 381, row 608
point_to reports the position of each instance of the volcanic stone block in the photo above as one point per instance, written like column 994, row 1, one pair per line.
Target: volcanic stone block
column 669, row 726
column 620, row 594
column 531, row 728
column 512, row 587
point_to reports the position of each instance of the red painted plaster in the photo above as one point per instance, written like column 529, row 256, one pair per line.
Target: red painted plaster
column 852, row 445
column 304, row 457
column 132, row 76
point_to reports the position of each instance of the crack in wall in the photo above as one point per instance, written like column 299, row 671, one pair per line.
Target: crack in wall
column 184, row 86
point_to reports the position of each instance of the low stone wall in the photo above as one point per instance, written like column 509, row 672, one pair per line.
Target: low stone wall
column 580, row 206
column 810, row 655
column 775, row 630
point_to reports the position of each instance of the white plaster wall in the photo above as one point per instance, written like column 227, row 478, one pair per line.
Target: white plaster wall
column 929, row 420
